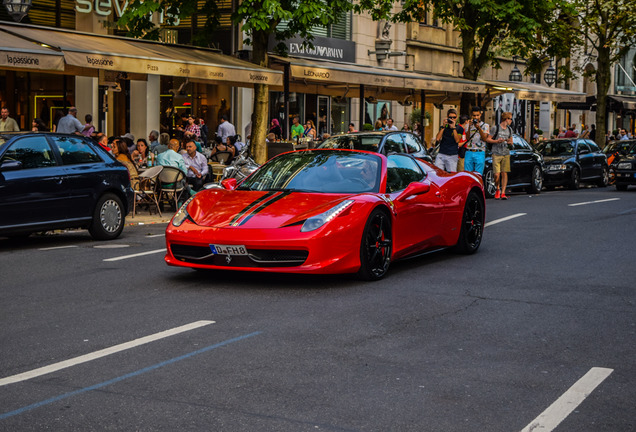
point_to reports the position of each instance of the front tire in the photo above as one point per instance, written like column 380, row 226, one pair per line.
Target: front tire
column 489, row 183
column 376, row 247
column 472, row 228
column 575, row 179
column 108, row 218
column 536, row 182
column 604, row 180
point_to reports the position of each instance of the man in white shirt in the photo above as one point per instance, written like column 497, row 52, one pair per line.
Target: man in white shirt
column 390, row 126
column 69, row 124
column 7, row 124
column 197, row 165
column 225, row 129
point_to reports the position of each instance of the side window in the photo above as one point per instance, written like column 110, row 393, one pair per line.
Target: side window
column 581, row 147
column 593, row 146
column 520, row 144
column 75, row 151
column 33, row 152
column 393, row 144
column 401, row 171
column 411, row 143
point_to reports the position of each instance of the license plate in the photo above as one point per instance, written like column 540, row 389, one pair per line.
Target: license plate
column 228, row 249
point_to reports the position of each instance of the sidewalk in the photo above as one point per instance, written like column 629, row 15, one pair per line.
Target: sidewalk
column 144, row 218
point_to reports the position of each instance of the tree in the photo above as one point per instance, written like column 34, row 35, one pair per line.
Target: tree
column 609, row 27
column 259, row 19
column 488, row 28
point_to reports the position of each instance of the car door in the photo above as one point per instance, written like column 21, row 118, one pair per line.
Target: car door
column 31, row 184
column 83, row 174
column 417, row 217
column 600, row 160
column 521, row 161
column 585, row 159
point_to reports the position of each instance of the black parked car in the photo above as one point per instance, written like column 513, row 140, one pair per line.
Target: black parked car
column 570, row 161
column 615, row 151
column 626, row 169
column 52, row 181
column 526, row 169
column 384, row 142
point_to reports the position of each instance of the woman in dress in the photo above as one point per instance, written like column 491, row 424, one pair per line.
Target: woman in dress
column 310, row 130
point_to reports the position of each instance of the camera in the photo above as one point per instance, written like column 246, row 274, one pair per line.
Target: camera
column 450, row 120
column 475, row 122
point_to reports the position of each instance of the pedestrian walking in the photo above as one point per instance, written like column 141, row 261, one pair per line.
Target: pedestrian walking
column 501, row 139
column 475, row 158
column 449, row 136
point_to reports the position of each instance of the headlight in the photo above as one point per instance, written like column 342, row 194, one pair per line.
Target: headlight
column 317, row 221
column 557, row 167
column 625, row 165
column 182, row 214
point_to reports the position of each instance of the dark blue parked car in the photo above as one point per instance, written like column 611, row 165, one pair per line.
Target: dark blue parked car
column 384, row 142
column 52, row 181
column 572, row 161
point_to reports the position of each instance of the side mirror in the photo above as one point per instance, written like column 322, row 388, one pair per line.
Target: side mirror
column 414, row 189
column 229, row 184
column 10, row 165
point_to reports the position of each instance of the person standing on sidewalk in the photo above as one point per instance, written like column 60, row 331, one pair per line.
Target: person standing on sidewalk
column 476, row 150
column 449, row 136
column 501, row 140
column 7, row 124
column 69, row 124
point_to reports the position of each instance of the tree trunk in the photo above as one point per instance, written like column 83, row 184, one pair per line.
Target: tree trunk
column 260, row 120
column 603, row 77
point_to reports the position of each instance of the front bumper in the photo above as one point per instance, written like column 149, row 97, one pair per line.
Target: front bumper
column 555, row 178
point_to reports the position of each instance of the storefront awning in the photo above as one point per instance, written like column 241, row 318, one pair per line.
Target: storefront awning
column 19, row 53
column 333, row 73
column 627, row 102
column 147, row 57
column 535, row 92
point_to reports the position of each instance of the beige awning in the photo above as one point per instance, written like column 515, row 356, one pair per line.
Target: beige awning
column 536, row 92
column 147, row 57
column 19, row 53
column 332, row 73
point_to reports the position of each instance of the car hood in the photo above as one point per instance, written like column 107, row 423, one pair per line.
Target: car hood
column 251, row 209
column 555, row 159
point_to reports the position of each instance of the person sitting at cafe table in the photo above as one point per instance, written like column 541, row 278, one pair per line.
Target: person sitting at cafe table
column 197, row 165
column 142, row 156
column 223, row 147
column 171, row 157
column 120, row 151
column 310, row 130
column 297, row 130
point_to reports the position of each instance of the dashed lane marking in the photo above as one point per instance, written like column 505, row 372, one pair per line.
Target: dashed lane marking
column 155, row 235
column 57, row 247
column 507, row 218
column 593, row 202
column 101, row 353
column 135, row 255
column 549, row 419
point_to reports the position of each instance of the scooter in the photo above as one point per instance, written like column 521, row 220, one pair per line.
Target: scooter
column 240, row 168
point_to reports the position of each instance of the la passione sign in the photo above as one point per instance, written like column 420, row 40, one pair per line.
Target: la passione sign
column 323, row 49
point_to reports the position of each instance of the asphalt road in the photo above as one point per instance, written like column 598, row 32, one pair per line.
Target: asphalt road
column 488, row 342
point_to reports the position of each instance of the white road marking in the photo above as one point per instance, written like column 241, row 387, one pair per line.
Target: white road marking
column 549, row 419
column 593, row 202
column 101, row 353
column 111, row 246
column 57, row 247
column 155, row 235
column 136, row 255
column 507, row 218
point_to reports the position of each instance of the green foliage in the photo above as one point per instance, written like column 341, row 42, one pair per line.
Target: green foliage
column 367, row 127
column 416, row 116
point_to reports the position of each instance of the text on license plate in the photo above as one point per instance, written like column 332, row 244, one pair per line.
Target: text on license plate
column 228, row 249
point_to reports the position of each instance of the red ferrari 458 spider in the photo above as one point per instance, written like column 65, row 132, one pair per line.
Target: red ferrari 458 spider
column 328, row 211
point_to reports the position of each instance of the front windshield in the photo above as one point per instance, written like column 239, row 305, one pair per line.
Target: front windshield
column 318, row 171
column 353, row 142
column 556, row 148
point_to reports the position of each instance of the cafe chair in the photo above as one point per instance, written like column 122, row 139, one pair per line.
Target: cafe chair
column 147, row 189
column 172, row 182
column 221, row 157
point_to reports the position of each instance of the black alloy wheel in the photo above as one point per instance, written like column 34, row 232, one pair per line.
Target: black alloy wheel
column 536, row 181
column 575, row 179
column 472, row 229
column 376, row 246
column 604, row 180
column 489, row 183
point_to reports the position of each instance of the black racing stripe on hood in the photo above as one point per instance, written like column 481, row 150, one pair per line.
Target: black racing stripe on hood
column 252, row 205
column 265, row 205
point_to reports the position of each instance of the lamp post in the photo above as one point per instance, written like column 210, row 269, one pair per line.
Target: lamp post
column 550, row 75
column 515, row 74
column 17, row 8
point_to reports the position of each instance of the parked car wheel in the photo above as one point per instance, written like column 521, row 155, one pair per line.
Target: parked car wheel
column 472, row 228
column 604, row 180
column 376, row 247
column 575, row 179
column 536, row 182
column 489, row 183
column 611, row 178
column 108, row 218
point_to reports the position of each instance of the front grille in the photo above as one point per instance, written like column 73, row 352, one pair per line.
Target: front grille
column 256, row 258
